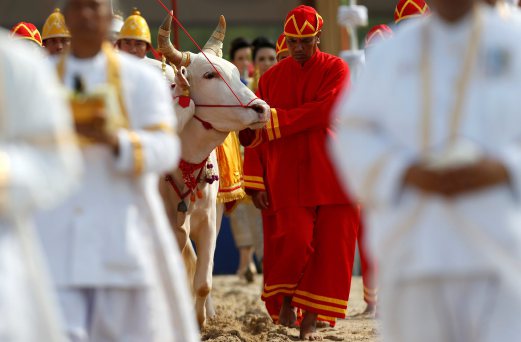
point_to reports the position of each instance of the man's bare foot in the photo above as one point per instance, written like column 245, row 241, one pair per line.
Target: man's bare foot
column 288, row 314
column 308, row 327
column 370, row 310
column 322, row 325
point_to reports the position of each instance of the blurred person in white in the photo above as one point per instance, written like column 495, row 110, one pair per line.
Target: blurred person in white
column 114, row 261
column 39, row 166
column 432, row 142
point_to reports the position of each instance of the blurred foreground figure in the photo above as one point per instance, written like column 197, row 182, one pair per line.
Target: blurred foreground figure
column 39, row 163
column 116, row 266
column 431, row 140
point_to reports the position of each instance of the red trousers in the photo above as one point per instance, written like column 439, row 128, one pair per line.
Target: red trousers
column 312, row 251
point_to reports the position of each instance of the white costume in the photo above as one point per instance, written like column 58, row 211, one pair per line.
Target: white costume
column 39, row 164
column 114, row 260
column 168, row 71
column 449, row 270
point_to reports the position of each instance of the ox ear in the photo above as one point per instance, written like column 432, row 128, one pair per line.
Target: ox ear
column 165, row 46
column 215, row 43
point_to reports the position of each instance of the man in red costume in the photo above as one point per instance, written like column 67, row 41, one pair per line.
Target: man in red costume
column 316, row 224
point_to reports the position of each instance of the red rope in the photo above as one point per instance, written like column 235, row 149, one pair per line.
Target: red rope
column 199, row 48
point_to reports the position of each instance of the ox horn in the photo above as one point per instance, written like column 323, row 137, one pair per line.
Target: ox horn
column 165, row 46
column 215, row 43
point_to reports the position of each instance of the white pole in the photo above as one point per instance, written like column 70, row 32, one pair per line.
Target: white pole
column 353, row 32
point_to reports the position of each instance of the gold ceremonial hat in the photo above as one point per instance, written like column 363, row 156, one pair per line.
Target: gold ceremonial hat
column 55, row 26
column 135, row 27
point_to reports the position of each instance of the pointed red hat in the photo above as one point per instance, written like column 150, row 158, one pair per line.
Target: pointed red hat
column 303, row 21
column 281, row 44
column 407, row 9
column 28, row 31
column 378, row 33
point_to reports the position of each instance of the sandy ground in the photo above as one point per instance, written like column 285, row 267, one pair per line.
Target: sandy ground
column 241, row 316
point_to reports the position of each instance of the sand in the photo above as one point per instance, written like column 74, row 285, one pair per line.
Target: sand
column 241, row 316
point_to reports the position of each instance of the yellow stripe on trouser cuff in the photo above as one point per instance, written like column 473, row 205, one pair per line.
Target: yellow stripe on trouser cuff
column 326, row 318
column 321, row 298
column 276, row 292
column 276, row 127
column 139, row 157
column 278, row 286
column 254, row 178
column 319, row 306
column 257, row 186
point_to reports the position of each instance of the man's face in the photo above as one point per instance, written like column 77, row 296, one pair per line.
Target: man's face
column 134, row 47
column 88, row 20
column 302, row 49
column 56, row 46
column 452, row 9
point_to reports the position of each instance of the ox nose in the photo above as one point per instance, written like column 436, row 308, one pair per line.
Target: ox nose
column 258, row 108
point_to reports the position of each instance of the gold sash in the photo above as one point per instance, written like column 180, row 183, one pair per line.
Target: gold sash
column 230, row 170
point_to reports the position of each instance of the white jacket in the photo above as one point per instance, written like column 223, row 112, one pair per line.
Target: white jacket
column 380, row 135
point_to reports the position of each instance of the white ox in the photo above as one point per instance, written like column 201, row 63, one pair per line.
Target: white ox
column 202, row 218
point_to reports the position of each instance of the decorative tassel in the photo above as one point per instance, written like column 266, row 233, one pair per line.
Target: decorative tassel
column 192, row 197
column 199, row 194
column 181, row 207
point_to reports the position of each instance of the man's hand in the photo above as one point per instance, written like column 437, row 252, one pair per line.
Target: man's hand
column 260, row 200
column 95, row 132
column 458, row 181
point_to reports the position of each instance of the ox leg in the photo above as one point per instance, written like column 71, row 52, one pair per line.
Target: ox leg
column 205, row 238
column 210, row 308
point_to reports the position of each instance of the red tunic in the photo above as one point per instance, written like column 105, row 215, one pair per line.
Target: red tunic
column 300, row 172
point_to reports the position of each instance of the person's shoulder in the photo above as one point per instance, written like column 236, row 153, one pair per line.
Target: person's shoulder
column 137, row 70
column 332, row 62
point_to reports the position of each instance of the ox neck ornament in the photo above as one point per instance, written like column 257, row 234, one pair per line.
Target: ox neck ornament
column 191, row 181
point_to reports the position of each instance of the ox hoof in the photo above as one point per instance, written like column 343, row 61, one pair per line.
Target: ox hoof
column 201, row 311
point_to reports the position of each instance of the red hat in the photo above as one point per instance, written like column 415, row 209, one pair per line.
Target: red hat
column 377, row 33
column 281, row 44
column 407, row 9
column 27, row 31
column 303, row 21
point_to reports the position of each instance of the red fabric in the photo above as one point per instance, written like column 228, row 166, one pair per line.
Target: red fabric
column 406, row 9
column 368, row 267
column 378, row 33
column 313, row 263
column 27, row 31
column 300, row 172
column 303, row 21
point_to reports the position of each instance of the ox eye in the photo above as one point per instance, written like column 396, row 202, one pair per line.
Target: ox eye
column 210, row 75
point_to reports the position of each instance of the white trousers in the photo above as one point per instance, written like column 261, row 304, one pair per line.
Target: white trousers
column 450, row 309
column 246, row 225
column 107, row 315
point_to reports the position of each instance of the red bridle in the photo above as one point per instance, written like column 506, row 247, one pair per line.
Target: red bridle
column 208, row 125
